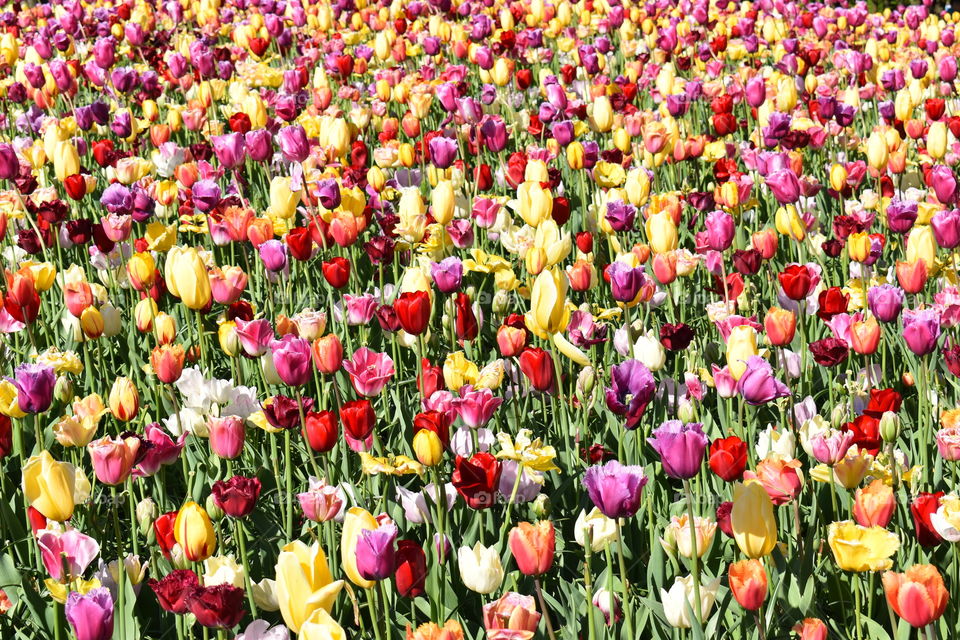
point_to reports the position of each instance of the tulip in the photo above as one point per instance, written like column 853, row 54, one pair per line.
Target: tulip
column 91, row 614
column 187, row 279
column 480, row 568
column 632, row 389
column 661, row 232
column 811, row 629
column 757, row 384
column 513, row 615
column 66, row 554
column 752, row 520
column 217, row 607
column 679, row 600
column 873, row 505
column 680, row 446
column 113, row 458
column 741, row 347
column 728, row 458
column 34, row 384
column 124, row 400
column 625, row 282
column 369, row 371
column 304, row 584
column 237, row 496
column 292, row 359
column 321, row 502
column 921, row 330
column 538, row 367
column 376, row 552
column 327, row 354
column 167, row 362
column 918, row 595
column 748, row 582
column 413, row 311
column 356, row 521
column 50, row 487
column 615, row 488
column 532, row 546
column 476, row 479
column 857, row 548
column 194, row 532
column 548, row 303
column 679, row 534
column 781, row 326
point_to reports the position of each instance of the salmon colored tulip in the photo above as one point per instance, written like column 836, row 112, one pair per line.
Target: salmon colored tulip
column 917, row 595
column 532, row 546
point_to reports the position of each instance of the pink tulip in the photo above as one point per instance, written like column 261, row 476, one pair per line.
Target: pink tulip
column 369, row 371
column 113, row 458
column 70, row 550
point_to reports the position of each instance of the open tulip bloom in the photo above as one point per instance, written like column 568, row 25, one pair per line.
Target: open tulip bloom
column 562, row 319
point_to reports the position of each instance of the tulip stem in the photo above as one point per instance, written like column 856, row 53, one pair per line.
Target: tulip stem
column 856, row 596
column 546, row 612
column 288, row 483
column 121, row 566
column 588, row 579
column 242, row 543
column 695, row 550
column 624, row 585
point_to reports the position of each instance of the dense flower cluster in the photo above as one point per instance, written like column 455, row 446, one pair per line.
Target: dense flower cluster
column 503, row 319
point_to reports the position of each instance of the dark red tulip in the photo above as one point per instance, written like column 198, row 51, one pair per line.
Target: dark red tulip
column 832, row 301
column 411, row 573
column 175, row 590
column 476, row 479
column 219, row 607
column 466, row 325
column 829, row 352
column 237, row 496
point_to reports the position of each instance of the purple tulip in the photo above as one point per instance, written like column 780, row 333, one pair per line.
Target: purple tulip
column 921, row 330
column 35, row 383
column 447, row 274
column 944, row 183
column 625, row 282
column 885, row 302
column 632, row 388
column 376, row 552
column 91, row 615
column 563, row 132
column 122, row 124
column 292, row 359
column 901, row 215
column 259, row 143
column 274, row 255
column 494, row 132
column 720, row 230
column 615, row 488
column 946, row 228
column 9, row 164
column 230, row 149
column 117, row 199
column 621, row 215
column 328, row 193
column 104, row 52
column 681, row 447
column 293, row 143
column 785, row 186
column 758, row 385
column 947, row 66
column 206, row 195
column 443, row 151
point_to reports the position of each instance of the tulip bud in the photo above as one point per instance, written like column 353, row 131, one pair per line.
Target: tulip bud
column 586, row 382
column 63, row 390
column 213, row 509
column 542, row 507
column 124, row 400
column 889, row 426
column 146, row 512
column 687, row 411
column 428, row 448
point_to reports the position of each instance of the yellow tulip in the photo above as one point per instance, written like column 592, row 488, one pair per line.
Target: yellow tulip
column 428, row 448
column 536, row 203
column 187, row 278
column 661, row 232
column 548, row 303
column 356, row 520
column 66, row 160
column 575, row 155
column 838, row 177
column 602, row 114
column 877, row 152
column 741, row 345
column 283, row 200
column 443, row 201
column 194, row 532
column 859, row 549
column 458, row 371
column 752, row 519
column 937, row 140
column 555, row 244
column 858, row 246
column 637, row 187
column 789, row 223
column 9, row 406
column 50, row 486
column 124, row 400
column 304, row 584
column 922, row 245
column 321, row 626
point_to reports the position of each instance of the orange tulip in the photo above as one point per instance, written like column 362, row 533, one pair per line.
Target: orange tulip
column 865, row 336
column 811, row 629
column 748, row 582
column 874, row 504
column 780, row 325
column 918, row 596
column 912, row 276
column 532, row 546
column 167, row 362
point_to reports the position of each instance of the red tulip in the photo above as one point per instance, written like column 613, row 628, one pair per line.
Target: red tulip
column 163, row 530
column 537, row 365
column 336, row 271
column 411, row 573
column 466, row 322
column 922, row 507
column 796, row 281
column 476, row 479
column 413, row 311
column 728, row 458
column 358, row 420
column 236, row 496
column 321, row 430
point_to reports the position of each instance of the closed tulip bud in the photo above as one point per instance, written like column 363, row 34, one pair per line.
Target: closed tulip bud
column 194, row 532
column 838, row 177
column 877, row 151
column 741, row 346
column 765, row 242
column 752, row 519
column 187, row 277
column 144, row 314
column 621, row 140
column 66, row 160
column 937, row 140
column 327, row 354
column 865, row 336
column 428, row 448
column 889, row 426
column 213, row 509
column 574, row 155
column 124, row 400
column 228, row 338
column 167, row 362
column 536, row 203
column 227, row 435
column 922, row 245
column 602, row 114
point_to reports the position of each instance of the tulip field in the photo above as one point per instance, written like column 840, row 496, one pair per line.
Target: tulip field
column 479, row 320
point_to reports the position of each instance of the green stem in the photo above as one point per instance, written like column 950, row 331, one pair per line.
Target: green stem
column 695, row 559
column 624, row 585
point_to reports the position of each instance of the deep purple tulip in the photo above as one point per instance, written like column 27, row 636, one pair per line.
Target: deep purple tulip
column 328, row 193
column 681, row 447
column 632, row 388
column 625, row 282
column 614, row 488
column 621, row 215
column 901, row 215
column 117, row 199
